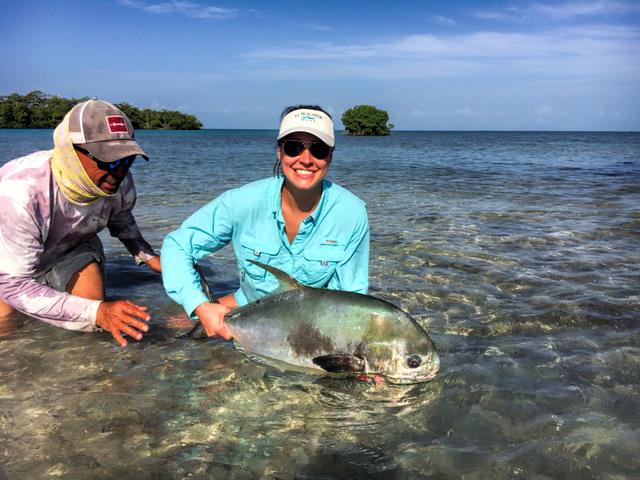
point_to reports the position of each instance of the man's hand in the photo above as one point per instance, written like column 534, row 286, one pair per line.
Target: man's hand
column 154, row 264
column 121, row 316
column 211, row 317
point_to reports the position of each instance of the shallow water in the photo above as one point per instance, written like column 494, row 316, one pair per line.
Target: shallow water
column 520, row 252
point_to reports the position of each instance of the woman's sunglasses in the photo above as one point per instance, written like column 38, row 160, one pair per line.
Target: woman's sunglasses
column 108, row 166
column 293, row 148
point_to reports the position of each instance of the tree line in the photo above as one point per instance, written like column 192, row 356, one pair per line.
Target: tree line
column 40, row 110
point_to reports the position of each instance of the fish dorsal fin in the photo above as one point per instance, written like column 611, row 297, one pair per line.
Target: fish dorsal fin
column 286, row 281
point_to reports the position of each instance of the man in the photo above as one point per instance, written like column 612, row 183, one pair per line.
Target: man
column 52, row 205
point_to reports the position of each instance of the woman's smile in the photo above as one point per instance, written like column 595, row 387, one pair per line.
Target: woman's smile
column 304, row 171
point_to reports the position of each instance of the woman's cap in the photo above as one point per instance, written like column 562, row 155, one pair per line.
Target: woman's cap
column 104, row 130
column 314, row 122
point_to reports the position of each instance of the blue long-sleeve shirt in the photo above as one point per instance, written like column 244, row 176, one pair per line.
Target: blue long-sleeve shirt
column 330, row 250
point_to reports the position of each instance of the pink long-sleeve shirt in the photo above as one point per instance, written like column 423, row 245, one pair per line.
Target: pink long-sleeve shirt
column 38, row 225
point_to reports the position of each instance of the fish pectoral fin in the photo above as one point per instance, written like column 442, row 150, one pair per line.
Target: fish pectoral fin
column 196, row 333
column 286, row 281
column 340, row 363
column 203, row 283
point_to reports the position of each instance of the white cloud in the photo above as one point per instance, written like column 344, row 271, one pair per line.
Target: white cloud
column 581, row 9
column 236, row 110
column 601, row 50
column 319, row 28
column 466, row 112
column 509, row 13
column 314, row 51
column 446, row 21
column 545, row 113
column 439, row 113
column 543, row 110
column 564, row 11
column 183, row 7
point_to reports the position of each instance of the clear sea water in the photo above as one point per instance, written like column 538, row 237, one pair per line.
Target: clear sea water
column 519, row 252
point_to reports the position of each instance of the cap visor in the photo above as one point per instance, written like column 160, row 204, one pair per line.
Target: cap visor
column 112, row 150
column 316, row 133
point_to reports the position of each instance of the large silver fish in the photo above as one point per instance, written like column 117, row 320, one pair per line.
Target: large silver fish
column 322, row 331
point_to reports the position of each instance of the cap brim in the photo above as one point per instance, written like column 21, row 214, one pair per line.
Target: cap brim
column 317, row 133
column 112, row 150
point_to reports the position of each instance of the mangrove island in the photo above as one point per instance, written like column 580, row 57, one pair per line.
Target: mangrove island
column 40, row 110
column 366, row 120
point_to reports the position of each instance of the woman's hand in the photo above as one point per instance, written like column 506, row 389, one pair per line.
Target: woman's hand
column 154, row 264
column 122, row 316
column 228, row 301
column 211, row 317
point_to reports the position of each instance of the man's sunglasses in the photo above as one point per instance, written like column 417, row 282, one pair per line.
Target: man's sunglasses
column 293, row 148
column 108, row 166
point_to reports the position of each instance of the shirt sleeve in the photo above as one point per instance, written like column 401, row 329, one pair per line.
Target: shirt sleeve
column 352, row 273
column 206, row 231
column 123, row 225
column 20, row 248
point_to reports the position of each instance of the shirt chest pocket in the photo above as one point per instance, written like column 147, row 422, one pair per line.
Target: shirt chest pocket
column 258, row 251
column 320, row 263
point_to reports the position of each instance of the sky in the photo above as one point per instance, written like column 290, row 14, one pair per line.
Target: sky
column 432, row 65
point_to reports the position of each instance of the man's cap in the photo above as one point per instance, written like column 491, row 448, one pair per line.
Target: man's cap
column 314, row 122
column 104, row 130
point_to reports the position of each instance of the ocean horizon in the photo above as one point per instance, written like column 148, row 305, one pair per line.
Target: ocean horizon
column 341, row 132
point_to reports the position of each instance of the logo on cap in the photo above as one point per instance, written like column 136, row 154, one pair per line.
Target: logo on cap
column 117, row 124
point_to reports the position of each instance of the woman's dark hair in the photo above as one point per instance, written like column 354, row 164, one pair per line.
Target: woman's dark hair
column 277, row 170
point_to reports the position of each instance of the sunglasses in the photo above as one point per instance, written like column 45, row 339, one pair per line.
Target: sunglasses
column 108, row 166
column 293, row 148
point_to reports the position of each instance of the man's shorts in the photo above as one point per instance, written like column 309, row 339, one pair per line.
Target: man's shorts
column 61, row 273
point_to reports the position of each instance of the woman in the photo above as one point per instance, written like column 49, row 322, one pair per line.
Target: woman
column 296, row 221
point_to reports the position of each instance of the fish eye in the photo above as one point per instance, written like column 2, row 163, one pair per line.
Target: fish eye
column 413, row 361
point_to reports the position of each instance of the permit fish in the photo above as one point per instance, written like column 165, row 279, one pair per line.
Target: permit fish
column 330, row 332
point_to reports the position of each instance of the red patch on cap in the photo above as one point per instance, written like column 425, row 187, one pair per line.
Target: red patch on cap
column 117, row 124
